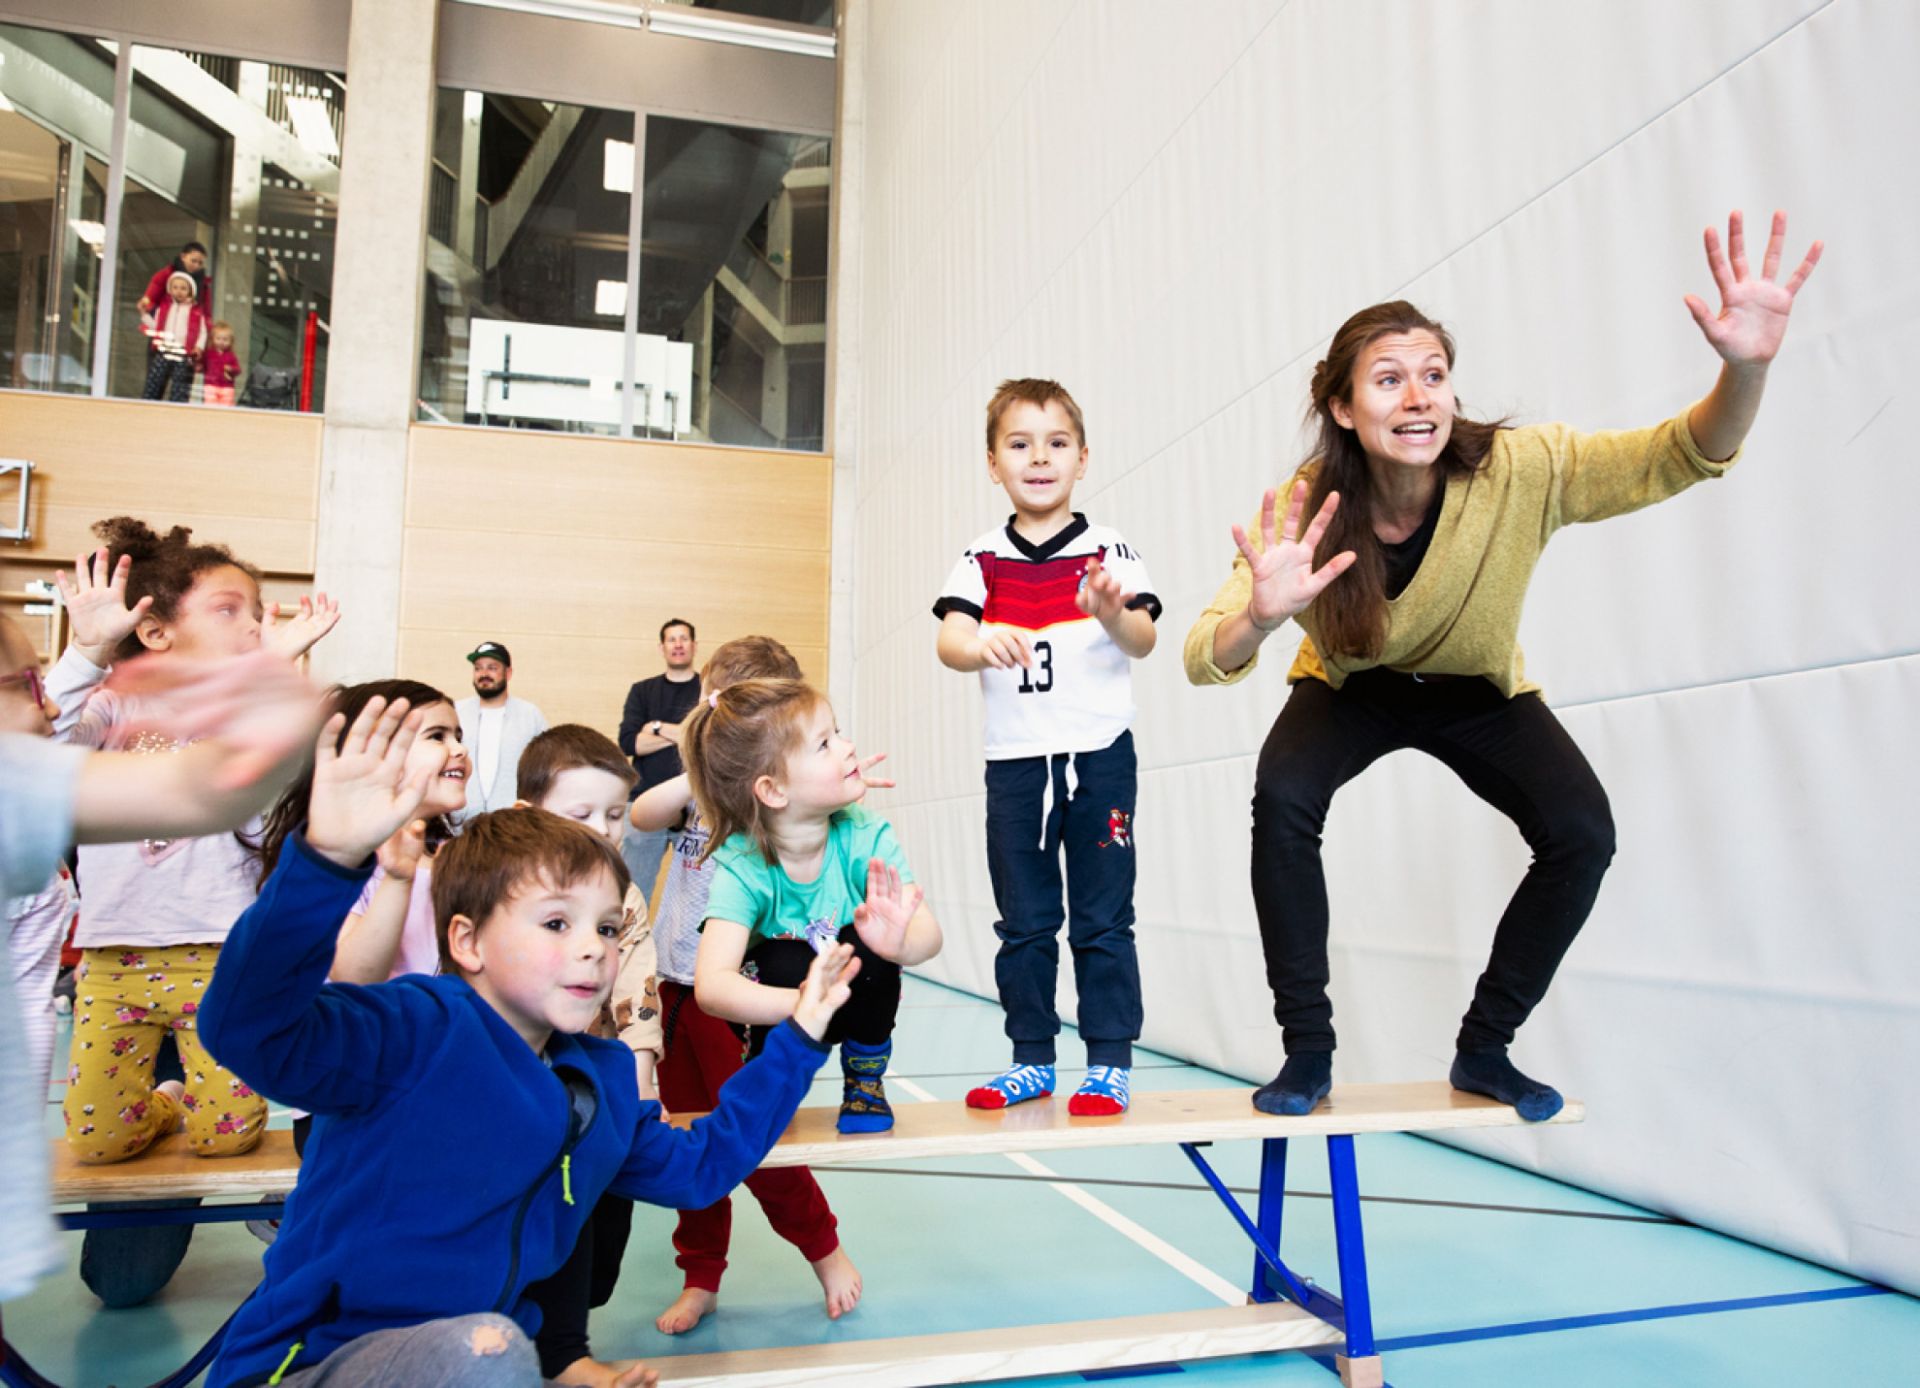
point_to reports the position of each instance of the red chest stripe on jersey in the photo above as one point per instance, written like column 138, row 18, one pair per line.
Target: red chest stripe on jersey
column 1033, row 595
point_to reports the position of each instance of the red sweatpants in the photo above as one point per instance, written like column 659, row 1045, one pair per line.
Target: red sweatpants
column 702, row 1053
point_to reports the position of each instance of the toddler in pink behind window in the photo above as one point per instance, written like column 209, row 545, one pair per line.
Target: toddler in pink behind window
column 220, row 365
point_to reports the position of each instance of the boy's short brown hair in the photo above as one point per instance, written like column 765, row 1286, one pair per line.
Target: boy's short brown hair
column 568, row 748
column 498, row 854
column 1033, row 391
column 748, row 658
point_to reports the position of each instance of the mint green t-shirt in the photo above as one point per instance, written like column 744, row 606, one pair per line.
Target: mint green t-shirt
column 749, row 892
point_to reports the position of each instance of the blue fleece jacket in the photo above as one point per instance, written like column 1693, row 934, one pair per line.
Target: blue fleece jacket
column 449, row 1166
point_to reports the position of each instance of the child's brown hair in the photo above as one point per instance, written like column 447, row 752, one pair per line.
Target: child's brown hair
column 165, row 567
column 1032, row 390
column 496, row 855
column 748, row 658
column 733, row 738
column 568, row 747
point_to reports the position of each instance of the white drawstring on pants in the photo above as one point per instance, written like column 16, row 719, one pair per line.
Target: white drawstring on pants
column 1046, row 796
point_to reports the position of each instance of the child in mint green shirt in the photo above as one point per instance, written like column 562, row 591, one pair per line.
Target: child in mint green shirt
column 799, row 866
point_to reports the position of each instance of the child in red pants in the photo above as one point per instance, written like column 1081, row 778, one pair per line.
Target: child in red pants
column 702, row 1052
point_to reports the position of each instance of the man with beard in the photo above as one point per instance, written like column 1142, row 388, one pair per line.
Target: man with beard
column 650, row 734
column 496, row 729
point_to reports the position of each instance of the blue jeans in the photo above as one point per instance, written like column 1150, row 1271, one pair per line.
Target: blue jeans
column 644, row 853
column 1037, row 807
column 478, row 1351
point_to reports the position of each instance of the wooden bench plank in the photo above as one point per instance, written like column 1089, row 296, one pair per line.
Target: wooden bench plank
column 1195, row 1115
column 1028, row 1351
column 169, row 1170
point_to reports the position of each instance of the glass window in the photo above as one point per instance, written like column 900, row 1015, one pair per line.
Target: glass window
column 529, row 218
column 56, row 126
column 233, row 176
column 817, row 14
column 733, row 264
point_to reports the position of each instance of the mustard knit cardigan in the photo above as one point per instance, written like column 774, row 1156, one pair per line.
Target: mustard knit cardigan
column 1461, row 613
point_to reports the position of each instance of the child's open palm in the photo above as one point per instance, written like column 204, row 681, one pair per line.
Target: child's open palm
column 1101, row 597
column 96, row 602
column 401, row 854
column 317, row 616
column 362, row 794
column 825, row 990
column 882, row 919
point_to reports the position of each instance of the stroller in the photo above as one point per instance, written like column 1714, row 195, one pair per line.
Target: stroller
column 272, row 387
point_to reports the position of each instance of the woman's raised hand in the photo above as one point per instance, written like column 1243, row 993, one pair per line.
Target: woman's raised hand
column 867, row 778
column 317, row 616
column 362, row 794
column 1285, row 582
column 96, row 600
column 1753, row 311
column 882, row 919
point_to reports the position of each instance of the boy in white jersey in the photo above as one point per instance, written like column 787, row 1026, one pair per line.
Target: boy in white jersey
column 1050, row 609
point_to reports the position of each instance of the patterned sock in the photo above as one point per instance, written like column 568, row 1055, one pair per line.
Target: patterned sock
column 863, row 1098
column 1102, row 1093
column 1016, row 1086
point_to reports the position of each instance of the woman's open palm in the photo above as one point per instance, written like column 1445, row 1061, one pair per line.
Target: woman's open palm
column 1753, row 310
column 1285, row 582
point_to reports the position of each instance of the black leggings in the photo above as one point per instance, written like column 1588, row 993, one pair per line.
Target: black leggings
column 1512, row 753
column 868, row 1016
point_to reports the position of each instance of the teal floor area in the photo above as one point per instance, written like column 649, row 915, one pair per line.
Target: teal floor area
column 1481, row 1275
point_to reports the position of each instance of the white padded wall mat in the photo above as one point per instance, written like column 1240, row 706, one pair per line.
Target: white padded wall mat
column 1171, row 209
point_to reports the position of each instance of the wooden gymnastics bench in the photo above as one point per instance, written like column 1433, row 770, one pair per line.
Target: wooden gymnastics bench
column 1284, row 1311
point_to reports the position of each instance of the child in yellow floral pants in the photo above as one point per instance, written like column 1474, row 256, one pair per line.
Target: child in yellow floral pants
column 128, row 999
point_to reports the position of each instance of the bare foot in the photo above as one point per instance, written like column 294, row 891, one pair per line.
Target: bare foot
column 688, row 1310
column 617, row 1373
column 840, row 1280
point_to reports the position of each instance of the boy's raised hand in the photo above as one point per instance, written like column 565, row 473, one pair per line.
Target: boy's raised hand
column 826, row 990
column 1101, row 596
column 317, row 616
column 96, row 600
column 361, row 791
column 882, row 919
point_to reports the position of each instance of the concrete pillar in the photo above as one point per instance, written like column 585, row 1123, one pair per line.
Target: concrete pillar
column 378, row 279
column 844, row 260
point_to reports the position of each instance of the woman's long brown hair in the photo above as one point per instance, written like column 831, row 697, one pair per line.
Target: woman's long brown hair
column 1350, row 616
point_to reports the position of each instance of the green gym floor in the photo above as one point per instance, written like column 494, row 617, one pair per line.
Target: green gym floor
column 1481, row 1275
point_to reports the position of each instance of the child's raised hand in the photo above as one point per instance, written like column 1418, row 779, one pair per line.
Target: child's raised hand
column 401, row 854
column 1002, row 648
column 873, row 782
column 825, row 990
column 1100, row 595
column 361, row 791
column 882, row 919
column 317, row 616
column 96, row 600
column 256, row 712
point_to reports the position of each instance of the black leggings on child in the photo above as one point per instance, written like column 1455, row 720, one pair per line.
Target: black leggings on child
column 868, row 1016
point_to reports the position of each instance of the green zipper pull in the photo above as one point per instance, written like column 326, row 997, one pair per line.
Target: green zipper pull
column 566, row 1177
column 297, row 1347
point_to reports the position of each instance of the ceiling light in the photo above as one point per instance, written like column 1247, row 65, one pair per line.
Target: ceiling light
column 592, row 11
column 616, row 173
column 313, row 125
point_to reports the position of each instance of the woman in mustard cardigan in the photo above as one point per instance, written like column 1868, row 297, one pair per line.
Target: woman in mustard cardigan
column 1432, row 524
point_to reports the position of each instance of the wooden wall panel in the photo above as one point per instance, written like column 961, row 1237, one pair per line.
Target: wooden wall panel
column 572, row 551
column 245, row 478
column 520, row 482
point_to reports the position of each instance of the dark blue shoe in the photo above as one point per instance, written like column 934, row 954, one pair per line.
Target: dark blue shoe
column 1495, row 1077
column 1303, row 1081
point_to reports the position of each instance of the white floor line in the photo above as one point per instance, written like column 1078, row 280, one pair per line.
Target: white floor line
column 902, row 1082
column 1196, row 1272
column 1205, row 1276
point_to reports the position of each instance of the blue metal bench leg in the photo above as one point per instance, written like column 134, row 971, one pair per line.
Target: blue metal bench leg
column 1273, row 1189
column 16, row 1372
column 1360, row 1366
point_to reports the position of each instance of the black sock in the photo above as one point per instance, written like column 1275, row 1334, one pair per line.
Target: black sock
column 1494, row 1076
column 1302, row 1082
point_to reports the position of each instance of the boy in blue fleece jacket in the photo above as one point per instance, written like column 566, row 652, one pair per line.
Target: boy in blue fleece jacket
column 464, row 1125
